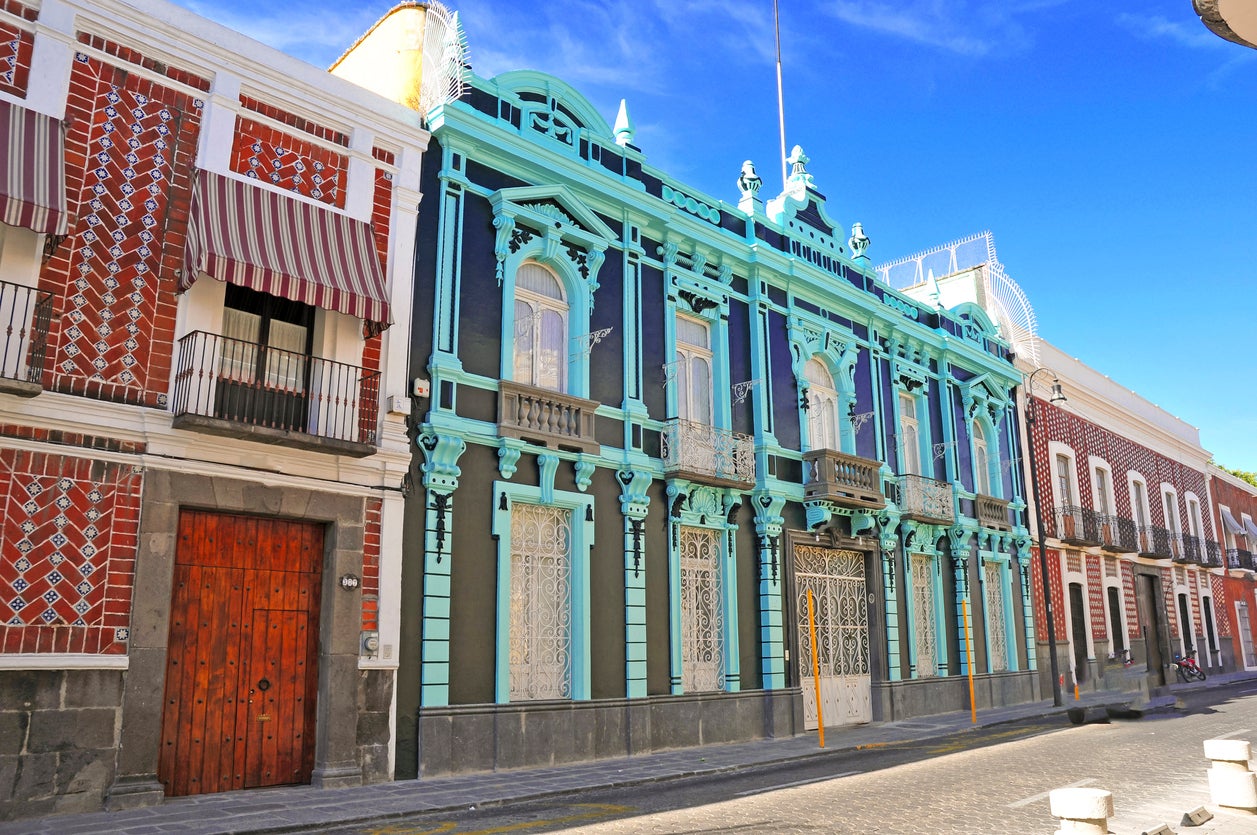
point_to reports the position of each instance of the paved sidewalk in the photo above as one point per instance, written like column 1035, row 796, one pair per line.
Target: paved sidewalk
column 297, row 807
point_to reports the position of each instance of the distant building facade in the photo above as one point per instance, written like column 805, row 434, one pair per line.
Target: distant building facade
column 205, row 259
column 1234, row 513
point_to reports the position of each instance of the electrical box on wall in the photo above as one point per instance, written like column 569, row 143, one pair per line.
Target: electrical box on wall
column 369, row 645
column 421, row 388
column 398, row 405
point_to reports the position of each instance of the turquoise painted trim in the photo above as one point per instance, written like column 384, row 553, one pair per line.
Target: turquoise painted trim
column 772, row 573
column 947, row 403
column 581, row 545
column 532, row 81
column 579, row 304
column 894, row 671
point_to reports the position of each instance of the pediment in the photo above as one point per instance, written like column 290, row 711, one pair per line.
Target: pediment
column 553, row 207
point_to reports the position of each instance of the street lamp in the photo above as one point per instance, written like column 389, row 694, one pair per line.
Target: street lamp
column 1058, row 396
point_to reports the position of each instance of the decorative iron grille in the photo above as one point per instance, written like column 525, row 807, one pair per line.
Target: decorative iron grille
column 702, row 616
column 257, row 385
column 705, row 452
column 925, row 626
column 1077, row 525
column 25, row 314
column 541, row 602
column 996, row 620
column 836, row 579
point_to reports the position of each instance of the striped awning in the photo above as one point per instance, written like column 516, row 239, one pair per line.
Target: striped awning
column 32, row 171
column 257, row 238
column 1229, row 521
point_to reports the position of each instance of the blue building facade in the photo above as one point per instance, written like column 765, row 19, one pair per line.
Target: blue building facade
column 651, row 423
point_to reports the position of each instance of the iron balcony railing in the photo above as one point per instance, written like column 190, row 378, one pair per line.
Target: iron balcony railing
column 1157, row 542
column 1077, row 525
column 925, row 499
column 1192, row 551
column 1238, row 558
column 25, row 315
column 546, row 417
column 1212, row 555
column 234, row 383
column 706, row 453
column 846, row 480
column 1117, row 534
column 992, row 513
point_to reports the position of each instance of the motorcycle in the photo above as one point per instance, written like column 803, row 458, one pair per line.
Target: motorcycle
column 1188, row 669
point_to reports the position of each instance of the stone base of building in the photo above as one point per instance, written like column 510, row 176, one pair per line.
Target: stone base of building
column 897, row 700
column 472, row 738
column 57, row 740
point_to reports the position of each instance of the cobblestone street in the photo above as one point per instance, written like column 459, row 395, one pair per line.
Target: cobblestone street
column 1154, row 767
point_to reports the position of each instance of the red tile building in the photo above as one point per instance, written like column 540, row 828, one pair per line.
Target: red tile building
column 205, row 268
column 1234, row 511
column 1134, row 558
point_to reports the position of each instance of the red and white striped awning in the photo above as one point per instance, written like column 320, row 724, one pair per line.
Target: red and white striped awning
column 257, row 238
column 32, row 171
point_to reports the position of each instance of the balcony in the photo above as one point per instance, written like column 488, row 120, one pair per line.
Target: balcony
column 255, row 392
column 926, row 500
column 1117, row 534
column 1192, row 551
column 992, row 513
column 1077, row 525
column 1239, row 558
column 546, row 417
column 25, row 314
column 1157, row 542
column 1212, row 555
column 704, row 453
column 845, row 480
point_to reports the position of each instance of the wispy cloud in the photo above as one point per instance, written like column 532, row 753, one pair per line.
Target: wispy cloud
column 1189, row 33
column 973, row 29
column 316, row 32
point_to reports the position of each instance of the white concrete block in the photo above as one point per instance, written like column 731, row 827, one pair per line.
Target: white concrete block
column 1082, row 811
column 1236, row 789
column 1232, row 750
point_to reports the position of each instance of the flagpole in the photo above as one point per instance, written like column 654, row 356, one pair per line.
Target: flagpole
column 781, row 107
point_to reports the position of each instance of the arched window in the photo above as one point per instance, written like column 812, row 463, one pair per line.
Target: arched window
column 540, row 328
column 822, row 406
column 693, row 378
column 981, row 461
column 909, row 434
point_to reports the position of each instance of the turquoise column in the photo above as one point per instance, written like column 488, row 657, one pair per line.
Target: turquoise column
column 888, row 543
column 634, row 504
column 440, row 480
column 768, row 525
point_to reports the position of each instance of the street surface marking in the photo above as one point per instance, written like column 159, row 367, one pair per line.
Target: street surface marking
column 598, row 810
column 1234, row 733
column 797, row 783
column 1044, row 796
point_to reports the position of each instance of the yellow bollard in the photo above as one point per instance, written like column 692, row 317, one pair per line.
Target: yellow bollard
column 816, row 670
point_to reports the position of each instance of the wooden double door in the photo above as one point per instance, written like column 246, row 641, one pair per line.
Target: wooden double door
column 242, row 662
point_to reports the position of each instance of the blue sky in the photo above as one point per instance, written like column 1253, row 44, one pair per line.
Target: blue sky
column 1110, row 147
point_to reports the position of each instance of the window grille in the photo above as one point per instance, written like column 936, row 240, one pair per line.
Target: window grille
column 926, row 628
column 541, row 602
column 702, row 619
column 993, row 588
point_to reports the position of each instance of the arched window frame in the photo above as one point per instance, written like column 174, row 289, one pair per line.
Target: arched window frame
column 578, row 304
column 535, row 327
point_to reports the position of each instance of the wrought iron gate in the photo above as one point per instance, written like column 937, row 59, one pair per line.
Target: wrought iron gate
column 836, row 579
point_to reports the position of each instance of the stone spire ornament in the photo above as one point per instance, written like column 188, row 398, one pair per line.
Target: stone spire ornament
column 859, row 242
column 624, row 127
column 748, row 184
column 798, row 168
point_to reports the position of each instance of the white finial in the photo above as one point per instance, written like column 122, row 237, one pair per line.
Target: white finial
column 935, row 295
column 624, row 127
